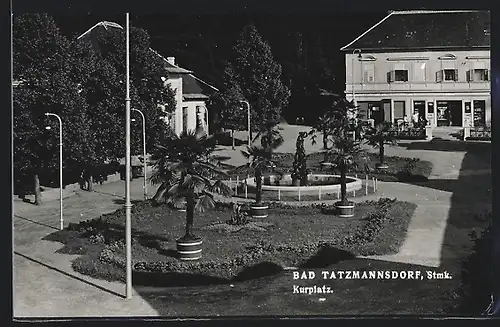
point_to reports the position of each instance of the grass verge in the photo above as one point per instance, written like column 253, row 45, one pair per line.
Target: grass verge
column 290, row 236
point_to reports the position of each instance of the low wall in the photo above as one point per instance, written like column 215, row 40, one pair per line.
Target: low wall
column 353, row 184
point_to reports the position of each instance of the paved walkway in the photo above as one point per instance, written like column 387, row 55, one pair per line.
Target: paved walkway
column 45, row 284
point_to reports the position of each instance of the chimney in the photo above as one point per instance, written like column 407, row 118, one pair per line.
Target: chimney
column 171, row 60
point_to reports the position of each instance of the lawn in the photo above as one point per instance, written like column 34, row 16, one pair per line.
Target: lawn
column 291, row 236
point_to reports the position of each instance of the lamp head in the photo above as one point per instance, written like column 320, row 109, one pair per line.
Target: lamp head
column 133, row 119
column 47, row 128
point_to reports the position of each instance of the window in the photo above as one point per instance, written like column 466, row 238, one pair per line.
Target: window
column 447, row 75
column 399, row 110
column 399, row 74
column 368, row 73
column 480, row 75
column 450, row 74
column 184, row 119
column 479, row 112
column 419, row 69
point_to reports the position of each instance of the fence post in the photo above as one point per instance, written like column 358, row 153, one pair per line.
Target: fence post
column 338, row 193
column 319, row 193
column 354, row 192
column 366, row 184
column 231, row 183
column 279, row 195
column 299, row 193
column 237, row 184
column 246, row 190
column 373, row 182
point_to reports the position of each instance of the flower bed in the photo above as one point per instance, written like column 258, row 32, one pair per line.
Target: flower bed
column 292, row 236
column 411, row 133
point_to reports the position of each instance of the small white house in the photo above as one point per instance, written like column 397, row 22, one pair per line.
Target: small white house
column 191, row 92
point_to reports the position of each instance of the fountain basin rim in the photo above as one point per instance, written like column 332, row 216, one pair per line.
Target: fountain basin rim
column 353, row 183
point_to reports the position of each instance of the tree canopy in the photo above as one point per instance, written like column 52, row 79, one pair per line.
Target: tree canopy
column 259, row 77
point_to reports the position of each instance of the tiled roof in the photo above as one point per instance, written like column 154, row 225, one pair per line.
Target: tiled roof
column 193, row 87
column 426, row 29
column 110, row 26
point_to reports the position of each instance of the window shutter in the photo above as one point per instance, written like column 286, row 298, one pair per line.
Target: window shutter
column 469, row 76
column 439, row 76
column 487, row 75
column 419, row 71
column 391, row 76
column 369, row 73
column 456, row 75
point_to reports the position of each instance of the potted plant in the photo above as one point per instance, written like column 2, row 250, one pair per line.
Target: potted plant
column 184, row 168
column 299, row 172
column 378, row 137
column 345, row 150
column 260, row 161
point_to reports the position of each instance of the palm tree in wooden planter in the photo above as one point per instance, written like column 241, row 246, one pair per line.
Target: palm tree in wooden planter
column 379, row 136
column 185, row 171
column 345, row 151
column 260, row 162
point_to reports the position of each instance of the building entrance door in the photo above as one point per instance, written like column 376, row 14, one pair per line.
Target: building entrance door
column 419, row 109
column 455, row 108
column 449, row 113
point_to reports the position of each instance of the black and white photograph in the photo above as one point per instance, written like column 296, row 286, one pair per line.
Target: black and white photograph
column 251, row 163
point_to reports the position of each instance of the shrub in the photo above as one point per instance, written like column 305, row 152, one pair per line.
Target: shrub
column 476, row 274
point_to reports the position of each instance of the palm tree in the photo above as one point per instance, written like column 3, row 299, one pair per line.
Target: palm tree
column 185, row 171
column 345, row 150
column 260, row 161
column 380, row 136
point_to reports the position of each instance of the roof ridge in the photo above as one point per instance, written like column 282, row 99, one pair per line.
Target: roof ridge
column 367, row 31
column 104, row 24
column 425, row 11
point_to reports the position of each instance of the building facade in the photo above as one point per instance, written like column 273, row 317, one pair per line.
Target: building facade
column 432, row 64
column 191, row 93
column 191, row 112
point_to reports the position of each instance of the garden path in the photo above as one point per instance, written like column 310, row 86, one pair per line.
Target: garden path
column 38, row 291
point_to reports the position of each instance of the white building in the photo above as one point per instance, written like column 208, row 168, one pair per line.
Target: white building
column 190, row 92
column 432, row 63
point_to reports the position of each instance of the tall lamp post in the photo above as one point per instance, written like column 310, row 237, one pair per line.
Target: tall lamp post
column 358, row 51
column 143, row 150
column 248, row 121
column 61, row 220
column 128, row 205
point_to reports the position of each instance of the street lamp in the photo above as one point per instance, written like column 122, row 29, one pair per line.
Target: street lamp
column 128, row 205
column 143, row 150
column 358, row 51
column 248, row 121
column 61, row 221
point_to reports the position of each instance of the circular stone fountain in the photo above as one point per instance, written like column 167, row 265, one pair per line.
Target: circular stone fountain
column 319, row 183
